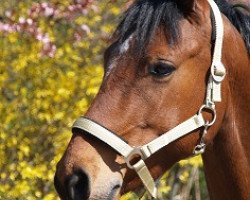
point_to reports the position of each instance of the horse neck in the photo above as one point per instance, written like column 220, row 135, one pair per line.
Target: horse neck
column 227, row 159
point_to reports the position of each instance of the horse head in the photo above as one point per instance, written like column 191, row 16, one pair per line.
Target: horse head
column 156, row 76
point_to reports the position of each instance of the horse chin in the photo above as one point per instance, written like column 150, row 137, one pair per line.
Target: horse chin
column 113, row 197
column 113, row 194
column 108, row 191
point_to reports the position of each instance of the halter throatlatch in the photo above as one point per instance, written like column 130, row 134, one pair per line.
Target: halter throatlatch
column 197, row 121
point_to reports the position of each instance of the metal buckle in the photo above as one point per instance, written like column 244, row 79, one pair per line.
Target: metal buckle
column 213, row 111
column 199, row 149
column 136, row 152
column 218, row 71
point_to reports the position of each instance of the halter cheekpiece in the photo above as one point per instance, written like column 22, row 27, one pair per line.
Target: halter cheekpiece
column 213, row 95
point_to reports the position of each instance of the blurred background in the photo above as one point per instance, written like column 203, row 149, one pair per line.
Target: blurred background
column 50, row 70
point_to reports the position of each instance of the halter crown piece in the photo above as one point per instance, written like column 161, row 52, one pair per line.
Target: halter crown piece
column 197, row 121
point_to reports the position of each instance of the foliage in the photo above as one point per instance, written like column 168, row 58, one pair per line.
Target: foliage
column 50, row 70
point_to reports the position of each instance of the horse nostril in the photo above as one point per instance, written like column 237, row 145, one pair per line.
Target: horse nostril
column 78, row 186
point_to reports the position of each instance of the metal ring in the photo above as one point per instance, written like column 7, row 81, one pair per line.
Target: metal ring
column 135, row 152
column 203, row 107
column 199, row 149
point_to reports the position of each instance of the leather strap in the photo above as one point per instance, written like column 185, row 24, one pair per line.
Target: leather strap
column 179, row 131
column 218, row 70
column 146, row 178
column 104, row 135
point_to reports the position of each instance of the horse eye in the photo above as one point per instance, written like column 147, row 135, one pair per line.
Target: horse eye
column 161, row 69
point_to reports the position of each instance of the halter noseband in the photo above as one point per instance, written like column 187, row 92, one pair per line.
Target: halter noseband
column 213, row 95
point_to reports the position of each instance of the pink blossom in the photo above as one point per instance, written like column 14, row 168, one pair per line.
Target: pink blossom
column 29, row 21
column 44, row 5
column 22, row 20
column 8, row 13
column 29, row 24
column 49, row 49
column 85, row 28
column 48, row 11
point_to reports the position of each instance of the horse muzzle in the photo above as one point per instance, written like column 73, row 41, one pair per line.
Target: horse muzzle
column 78, row 187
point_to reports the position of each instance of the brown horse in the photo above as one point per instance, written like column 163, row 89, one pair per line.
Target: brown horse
column 156, row 74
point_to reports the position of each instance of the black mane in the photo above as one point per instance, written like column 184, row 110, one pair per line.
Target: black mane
column 144, row 16
column 241, row 20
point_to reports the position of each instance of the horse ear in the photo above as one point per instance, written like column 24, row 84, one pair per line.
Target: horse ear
column 186, row 6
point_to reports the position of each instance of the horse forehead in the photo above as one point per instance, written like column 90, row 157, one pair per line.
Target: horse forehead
column 123, row 49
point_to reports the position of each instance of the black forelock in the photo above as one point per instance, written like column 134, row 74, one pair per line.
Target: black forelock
column 144, row 16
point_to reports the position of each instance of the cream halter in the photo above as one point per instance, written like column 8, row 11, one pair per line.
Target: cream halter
column 213, row 95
